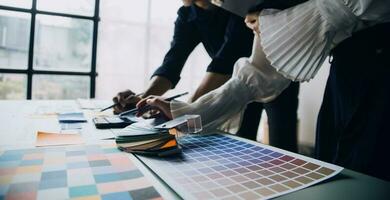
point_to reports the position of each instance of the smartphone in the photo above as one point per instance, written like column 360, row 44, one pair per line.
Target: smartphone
column 107, row 122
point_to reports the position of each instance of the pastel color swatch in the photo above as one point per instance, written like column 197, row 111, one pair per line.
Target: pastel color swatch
column 72, row 172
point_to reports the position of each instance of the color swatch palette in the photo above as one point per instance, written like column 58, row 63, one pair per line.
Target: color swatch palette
column 226, row 167
column 72, row 172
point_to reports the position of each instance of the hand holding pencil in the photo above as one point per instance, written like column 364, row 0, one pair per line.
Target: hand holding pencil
column 156, row 103
column 123, row 101
column 127, row 98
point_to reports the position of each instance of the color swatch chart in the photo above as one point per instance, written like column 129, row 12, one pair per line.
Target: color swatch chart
column 226, row 167
column 72, row 172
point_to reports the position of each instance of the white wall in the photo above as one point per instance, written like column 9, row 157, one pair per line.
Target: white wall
column 310, row 99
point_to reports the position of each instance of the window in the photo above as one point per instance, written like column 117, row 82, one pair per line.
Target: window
column 48, row 48
column 133, row 38
column 60, row 87
column 72, row 39
column 13, row 86
column 14, row 47
column 17, row 3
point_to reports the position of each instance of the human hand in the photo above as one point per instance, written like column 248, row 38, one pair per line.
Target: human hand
column 158, row 104
column 187, row 2
column 125, row 100
column 252, row 22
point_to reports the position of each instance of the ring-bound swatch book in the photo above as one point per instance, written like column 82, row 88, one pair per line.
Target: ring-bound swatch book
column 143, row 138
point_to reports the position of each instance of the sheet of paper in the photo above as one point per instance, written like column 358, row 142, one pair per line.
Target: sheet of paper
column 139, row 128
column 73, row 172
column 54, row 139
column 71, row 126
column 226, row 167
column 71, row 117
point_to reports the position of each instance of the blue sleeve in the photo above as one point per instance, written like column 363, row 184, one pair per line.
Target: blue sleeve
column 237, row 43
column 185, row 39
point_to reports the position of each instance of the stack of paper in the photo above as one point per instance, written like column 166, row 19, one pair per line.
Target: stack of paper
column 142, row 138
column 74, row 117
column 71, row 120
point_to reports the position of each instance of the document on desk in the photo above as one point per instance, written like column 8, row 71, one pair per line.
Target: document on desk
column 72, row 117
column 221, row 166
column 73, row 172
column 55, row 139
column 44, row 109
column 71, row 126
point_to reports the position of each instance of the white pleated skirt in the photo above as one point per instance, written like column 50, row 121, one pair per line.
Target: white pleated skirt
column 295, row 40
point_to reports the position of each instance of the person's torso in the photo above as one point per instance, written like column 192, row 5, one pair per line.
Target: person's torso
column 211, row 26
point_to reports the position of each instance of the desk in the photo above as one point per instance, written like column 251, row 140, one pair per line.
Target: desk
column 21, row 119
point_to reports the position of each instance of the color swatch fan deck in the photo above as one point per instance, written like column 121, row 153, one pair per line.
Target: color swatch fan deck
column 141, row 138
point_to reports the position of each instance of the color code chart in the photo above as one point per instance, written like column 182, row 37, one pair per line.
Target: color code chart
column 226, row 167
column 72, row 172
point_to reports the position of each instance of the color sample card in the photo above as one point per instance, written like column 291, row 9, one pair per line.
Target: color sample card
column 72, row 172
column 227, row 167
column 55, row 139
column 72, row 117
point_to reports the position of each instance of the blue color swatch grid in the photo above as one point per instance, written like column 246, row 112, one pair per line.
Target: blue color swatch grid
column 224, row 167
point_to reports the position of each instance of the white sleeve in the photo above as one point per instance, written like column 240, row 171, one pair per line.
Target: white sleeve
column 349, row 16
column 253, row 80
column 217, row 106
column 296, row 41
column 370, row 11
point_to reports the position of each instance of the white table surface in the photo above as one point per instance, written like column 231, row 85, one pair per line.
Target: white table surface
column 20, row 121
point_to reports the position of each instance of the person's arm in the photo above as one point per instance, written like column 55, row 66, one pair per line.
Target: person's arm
column 343, row 17
column 253, row 80
column 158, row 86
column 210, row 81
column 248, row 84
column 237, row 43
column 252, row 16
column 349, row 16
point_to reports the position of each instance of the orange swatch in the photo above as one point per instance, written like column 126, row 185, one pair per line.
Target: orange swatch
column 170, row 143
column 53, row 139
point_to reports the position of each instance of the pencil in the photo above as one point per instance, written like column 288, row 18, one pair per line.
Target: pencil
column 115, row 104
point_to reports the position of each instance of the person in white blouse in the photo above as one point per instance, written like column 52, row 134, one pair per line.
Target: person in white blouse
column 292, row 45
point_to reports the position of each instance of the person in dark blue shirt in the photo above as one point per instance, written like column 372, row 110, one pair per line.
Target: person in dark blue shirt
column 220, row 32
column 226, row 39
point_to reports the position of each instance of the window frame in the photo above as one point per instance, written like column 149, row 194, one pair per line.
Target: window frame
column 30, row 71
